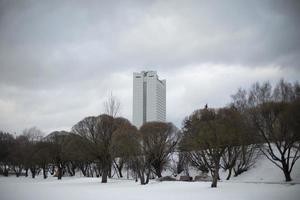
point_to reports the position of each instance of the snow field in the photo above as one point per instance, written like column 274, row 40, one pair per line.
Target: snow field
column 91, row 189
column 264, row 181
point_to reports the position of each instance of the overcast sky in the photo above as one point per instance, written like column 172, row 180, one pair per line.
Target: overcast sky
column 59, row 60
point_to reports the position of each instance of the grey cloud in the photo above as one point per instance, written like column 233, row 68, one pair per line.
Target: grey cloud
column 59, row 59
column 235, row 33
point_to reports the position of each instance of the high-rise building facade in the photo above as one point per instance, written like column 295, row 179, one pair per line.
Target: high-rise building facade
column 149, row 98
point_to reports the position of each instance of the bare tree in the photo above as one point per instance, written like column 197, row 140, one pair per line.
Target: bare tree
column 159, row 140
column 140, row 164
column 246, row 158
column 274, row 122
column 112, row 105
column 242, row 146
column 6, row 143
column 19, row 155
column 274, row 115
column 208, row 132
column 127, row 145
column 43, row 156
column 59, row 140
column 33, row 134
column 98, row 133
column 182, row 162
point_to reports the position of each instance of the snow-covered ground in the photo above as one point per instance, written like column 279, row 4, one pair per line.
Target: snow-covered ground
column 91, row 188
column 264, row 181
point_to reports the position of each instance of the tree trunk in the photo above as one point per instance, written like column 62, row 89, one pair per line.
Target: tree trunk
column 59, row 173
column 120, row 172
column 105, row 175
column 142, row 178
column 287, row 175
column 33, row 171
column 158, row 172
column 71, row 169
column 26, row 172
column 52, row 169
column 5, row 173
column 147, row 176
column 136, row 177
column 18, row 171
column 109, row 171
column 83, row 169
column 229, row 174
column 215, row 175
column 285, row 169
column 214, row 181
column 44, row 172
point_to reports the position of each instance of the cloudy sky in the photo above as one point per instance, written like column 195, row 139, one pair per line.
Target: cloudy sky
column 59, row 60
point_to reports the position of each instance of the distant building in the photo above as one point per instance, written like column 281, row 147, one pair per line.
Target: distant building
column 149, row 98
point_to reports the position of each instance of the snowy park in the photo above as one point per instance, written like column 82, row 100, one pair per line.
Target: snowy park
column 149, row 100
column 91, row 188
column 263, row 181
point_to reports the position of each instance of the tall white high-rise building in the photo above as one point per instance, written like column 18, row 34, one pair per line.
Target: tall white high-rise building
column 149, row 98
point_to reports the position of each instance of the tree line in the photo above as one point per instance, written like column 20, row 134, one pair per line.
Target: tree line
column 260, row 121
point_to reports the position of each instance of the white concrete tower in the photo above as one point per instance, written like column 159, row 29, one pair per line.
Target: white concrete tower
column 149, row 98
